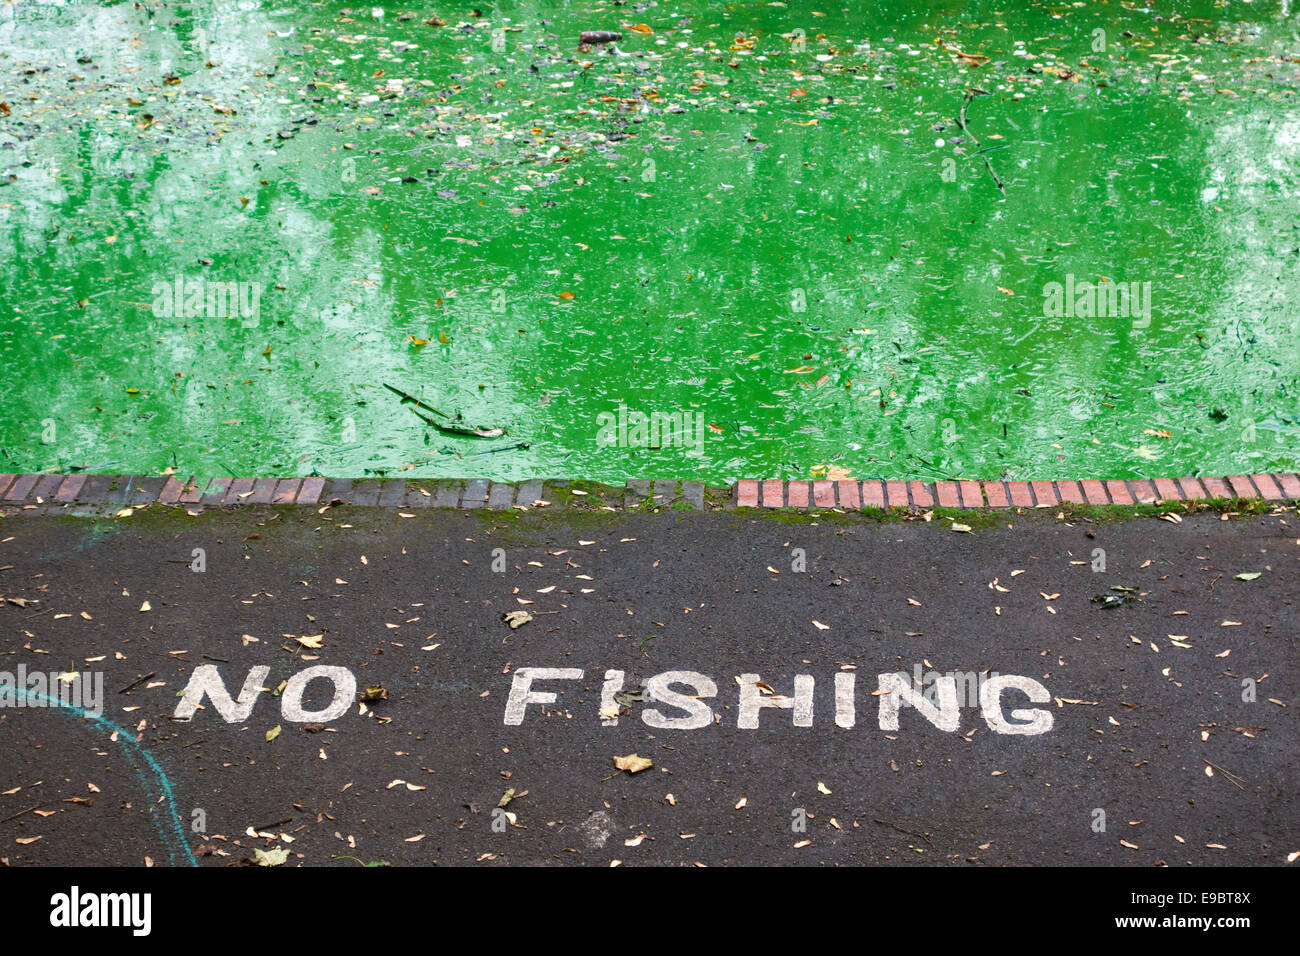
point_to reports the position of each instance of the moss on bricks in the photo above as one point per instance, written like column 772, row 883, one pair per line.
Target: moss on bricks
column 978, row 518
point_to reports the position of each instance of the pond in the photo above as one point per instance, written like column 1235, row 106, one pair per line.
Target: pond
column 789, row 240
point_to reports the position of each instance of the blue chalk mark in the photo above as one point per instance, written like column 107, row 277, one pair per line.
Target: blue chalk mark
column 171, row 831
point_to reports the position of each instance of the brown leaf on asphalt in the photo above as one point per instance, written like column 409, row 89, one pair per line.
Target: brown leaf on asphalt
column 633, row 763
column 516, row 619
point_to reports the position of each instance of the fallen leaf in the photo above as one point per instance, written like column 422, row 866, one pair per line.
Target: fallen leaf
column 633, row 763
column 516, row 619
column 272, row 857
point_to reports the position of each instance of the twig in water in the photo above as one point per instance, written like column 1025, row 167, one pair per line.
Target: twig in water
column 411, row 398
column 961, row 121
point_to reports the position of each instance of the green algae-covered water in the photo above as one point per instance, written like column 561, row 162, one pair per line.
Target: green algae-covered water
column 923, row 239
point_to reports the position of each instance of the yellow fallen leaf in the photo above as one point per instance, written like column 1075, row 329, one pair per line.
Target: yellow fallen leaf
column 633, row 763
column 273, row 857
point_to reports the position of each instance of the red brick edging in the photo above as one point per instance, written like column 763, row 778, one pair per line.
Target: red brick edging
column 878, row 493
column 110, row 494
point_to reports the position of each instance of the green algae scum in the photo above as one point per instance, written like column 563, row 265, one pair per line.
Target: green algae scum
column 924, row 240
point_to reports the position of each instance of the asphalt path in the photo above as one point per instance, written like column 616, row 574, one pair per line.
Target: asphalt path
column 1165, row 729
